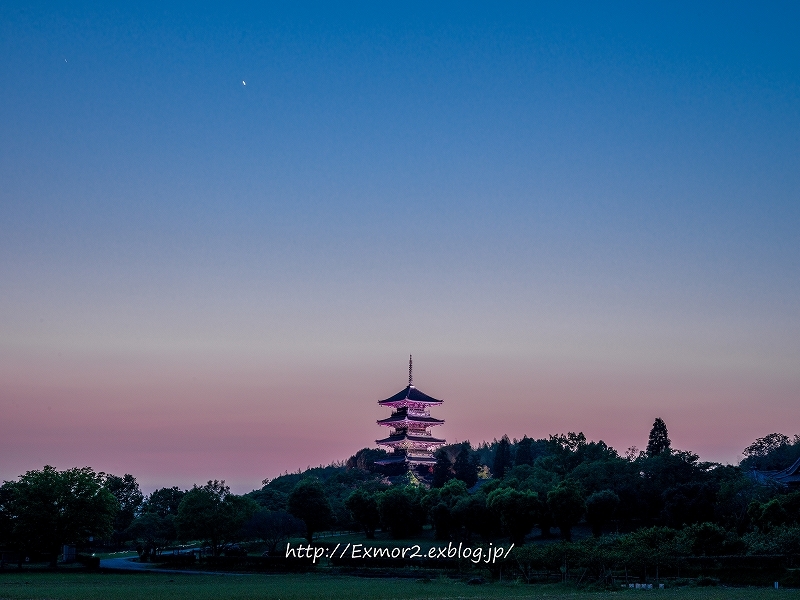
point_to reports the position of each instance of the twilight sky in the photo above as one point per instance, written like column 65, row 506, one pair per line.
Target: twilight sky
column 223, row 231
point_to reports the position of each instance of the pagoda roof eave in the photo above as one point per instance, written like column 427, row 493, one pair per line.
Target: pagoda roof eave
column 411, row 438
column 422, row 460
column 410, row 419
column 410, row 394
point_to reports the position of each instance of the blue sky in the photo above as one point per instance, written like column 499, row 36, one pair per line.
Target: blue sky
column 532, row 195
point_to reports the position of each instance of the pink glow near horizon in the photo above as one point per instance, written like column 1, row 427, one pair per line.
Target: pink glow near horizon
column 243, row 426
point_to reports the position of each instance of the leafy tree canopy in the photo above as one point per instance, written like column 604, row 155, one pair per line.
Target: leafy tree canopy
column 363, row 505
column 130, row 498
column 273, row 527
column 164, row 501
column 567, row 506
column 466, row 466
column 52, row 508
column 443, row 469
column 518, row 511
column 213, row 514
column 772, row 452
column 600, row 509
column 309, row 503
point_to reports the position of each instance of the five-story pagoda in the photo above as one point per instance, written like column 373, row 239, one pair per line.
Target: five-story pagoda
column 410, row 438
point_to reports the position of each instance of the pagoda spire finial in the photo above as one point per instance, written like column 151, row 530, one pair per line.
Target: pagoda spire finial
column 410, row 374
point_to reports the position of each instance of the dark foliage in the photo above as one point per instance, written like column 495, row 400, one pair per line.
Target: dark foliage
column 212, row 514
column 363, row 505
column 443, row 469
column 567, row 506
column 164, row 501
column 600, row 509
column 689, row 503
column 471, row 513
column 50, row 508
column 465, row 467
column 518, row 511
column 269, row 498
column 673, row 504
column 402, row 512
column 129, row 497
column 272, row 527
column 365, row 459
column 773, row 452
column 524, row 454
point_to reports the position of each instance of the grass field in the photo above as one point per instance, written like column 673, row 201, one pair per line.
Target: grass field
column 89, row 586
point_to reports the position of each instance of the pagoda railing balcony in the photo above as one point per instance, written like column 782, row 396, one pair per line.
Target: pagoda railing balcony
column 411, row 413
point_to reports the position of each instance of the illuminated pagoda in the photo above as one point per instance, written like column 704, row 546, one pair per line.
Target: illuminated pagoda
column 410, row 439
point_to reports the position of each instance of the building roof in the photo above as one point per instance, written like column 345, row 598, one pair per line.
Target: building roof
column 399, row 437
column 401, row 417
column 789, row 476
column 413, row 394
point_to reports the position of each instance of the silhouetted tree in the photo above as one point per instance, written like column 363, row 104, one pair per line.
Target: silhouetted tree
column 130, row 498
column 52, row 508
column 152, row 533
column 212, row 514
column 164, row 501
column 6, row 515
column 443, row 469
column 309, row 503
column 518, row 511
column 771, row 452
column 396, row 511
column 524, row 454
column 155, row 529
column 465, row 467
column 502, row 458
column 659, row 441
column 363, row 505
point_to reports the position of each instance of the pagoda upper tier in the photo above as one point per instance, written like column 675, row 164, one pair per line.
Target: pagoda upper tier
column 411, row 398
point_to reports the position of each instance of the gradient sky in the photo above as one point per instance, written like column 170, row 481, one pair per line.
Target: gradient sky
column 577, row 217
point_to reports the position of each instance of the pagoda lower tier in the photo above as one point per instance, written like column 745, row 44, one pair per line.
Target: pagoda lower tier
column 411, row 459
column 412, row 445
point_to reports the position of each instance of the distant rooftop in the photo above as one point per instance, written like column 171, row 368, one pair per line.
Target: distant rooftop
column 789, row 477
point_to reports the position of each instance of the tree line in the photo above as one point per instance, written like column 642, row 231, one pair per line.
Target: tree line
column 518, row 489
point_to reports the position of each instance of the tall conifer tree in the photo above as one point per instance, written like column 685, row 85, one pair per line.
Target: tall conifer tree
column 659, row 441
column 502, row 458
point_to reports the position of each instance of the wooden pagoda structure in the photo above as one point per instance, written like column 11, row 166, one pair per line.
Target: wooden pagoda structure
column 410, row 439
